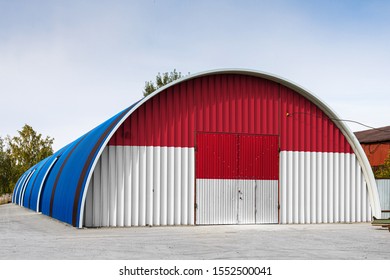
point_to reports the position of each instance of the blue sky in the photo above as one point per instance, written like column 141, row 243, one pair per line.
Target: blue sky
column 67, row 66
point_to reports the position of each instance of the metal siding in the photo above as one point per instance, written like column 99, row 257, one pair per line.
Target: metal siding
column 330, row 188
column 210, row 104
column 236, row 201
column 266, row 202
column 112, row 182
column 17, row 187
column 384, row 195
column 24, row 186
column 31, row 188
column 237, row 156
column 217, row 201
column 199, row 105
column 136, row 209
column 40, row 183
column 97, row 197
column 88, row 214
column 246, row 104
column 229, row 167
column 134, row 185
column 216, row 156
column 246, row 202
column 149, row 186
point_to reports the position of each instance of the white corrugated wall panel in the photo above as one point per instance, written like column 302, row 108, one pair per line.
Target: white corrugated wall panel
column 227, row 201
column 247, row 202
column 191, row 187
column 120, row 181
column 335, row 186
column 306, row 180
column 88, row 213
column 184, row 188
column 177, row 186
column 104, row 188
column 170, row 187
column 217, row 201
column 127, row 190
column 384, row 195
column 266, row 202
column 164, row 180
column 283, row 191
column 97, row 196
column 313, row 182
column 112, row 190
column 138, row 186
column 149, row 185
column 330, row 188
column 142, row 186
column 156, row 186
column 134, row 185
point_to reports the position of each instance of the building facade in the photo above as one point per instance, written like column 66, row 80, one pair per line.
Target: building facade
column 219, row 147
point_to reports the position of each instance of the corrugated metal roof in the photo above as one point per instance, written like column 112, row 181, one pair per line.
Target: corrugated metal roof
column 381, row 134
column 55, row 185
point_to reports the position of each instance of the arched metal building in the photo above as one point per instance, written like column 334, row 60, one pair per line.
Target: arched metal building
column 219, row 147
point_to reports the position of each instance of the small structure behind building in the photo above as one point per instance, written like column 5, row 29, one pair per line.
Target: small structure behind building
column 376, row 145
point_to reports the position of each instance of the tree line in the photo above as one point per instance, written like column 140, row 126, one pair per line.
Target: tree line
column 19, row 153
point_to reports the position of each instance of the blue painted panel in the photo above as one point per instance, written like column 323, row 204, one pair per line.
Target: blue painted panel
column 62, row 191
column 19, row 188
column 16, row 188
column 52, row 178
column 30, row 184
column 67, row 199
column 39, row 177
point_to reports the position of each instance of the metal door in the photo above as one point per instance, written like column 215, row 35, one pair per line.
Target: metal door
column 232, row 174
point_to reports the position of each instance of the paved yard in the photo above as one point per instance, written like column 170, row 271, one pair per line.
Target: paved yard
column 25, row 234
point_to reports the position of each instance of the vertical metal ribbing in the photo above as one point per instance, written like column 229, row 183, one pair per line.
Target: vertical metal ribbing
column 142, row 186
column 156, row 186
column 97, row 196
column 164, row 191
column 149, row 185
column 104, row 188
column 88, row 213
column 170, row 187
column 266, row 201
column 384, row 195
column 120, row 181
column 184, row 187
column 191, row 186
column 177, row 188
column 128, row 183
column 134, row 185
column 337, row 192
column 112, row 185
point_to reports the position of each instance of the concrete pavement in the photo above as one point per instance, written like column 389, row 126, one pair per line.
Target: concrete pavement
column 25, row 234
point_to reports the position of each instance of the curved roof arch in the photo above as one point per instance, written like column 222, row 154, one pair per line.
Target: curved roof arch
column 373, row 194
column 68, row 177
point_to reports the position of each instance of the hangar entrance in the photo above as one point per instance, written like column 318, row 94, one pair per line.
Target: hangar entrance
column 237, row 178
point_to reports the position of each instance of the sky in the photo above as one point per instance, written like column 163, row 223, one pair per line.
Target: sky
column 67, row 66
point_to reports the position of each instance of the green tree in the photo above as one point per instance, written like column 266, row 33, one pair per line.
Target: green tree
column 383, row 172
column 22, row 152
column 6, row 170
column 161, row 80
